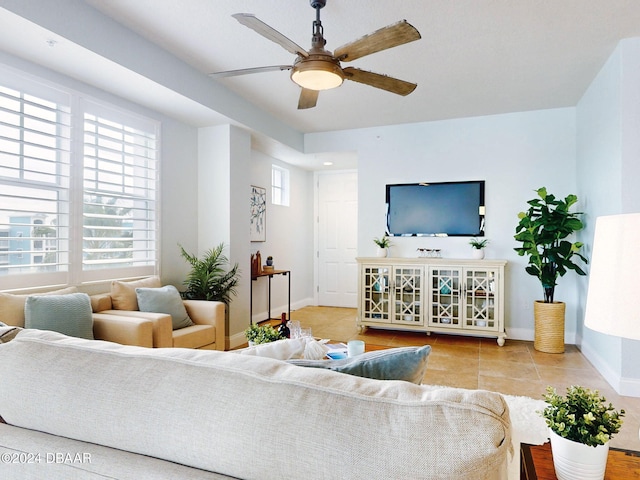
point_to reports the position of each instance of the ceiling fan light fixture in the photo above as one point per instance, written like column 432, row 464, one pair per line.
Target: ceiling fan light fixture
column 317, row 74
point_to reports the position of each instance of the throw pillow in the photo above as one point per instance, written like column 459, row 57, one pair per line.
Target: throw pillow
column 405, row 363
column 68, row 314
column 123, row 294
column 12, row 305
column 164, row 300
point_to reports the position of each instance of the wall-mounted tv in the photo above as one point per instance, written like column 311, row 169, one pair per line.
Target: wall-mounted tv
column 436, row 209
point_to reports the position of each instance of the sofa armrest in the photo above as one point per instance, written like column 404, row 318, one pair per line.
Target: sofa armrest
column 204, row 312
column 161, row 323
column 123, row 330
column 101, row 302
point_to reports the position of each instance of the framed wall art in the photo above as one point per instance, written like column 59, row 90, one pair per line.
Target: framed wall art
column 258, row 222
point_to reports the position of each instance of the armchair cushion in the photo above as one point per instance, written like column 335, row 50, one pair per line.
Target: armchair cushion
column 164, row 300
column 123, row 294
column 69, row 314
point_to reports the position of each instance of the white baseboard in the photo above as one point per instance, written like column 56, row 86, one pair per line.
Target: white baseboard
column 629, row 387
column 528, row 334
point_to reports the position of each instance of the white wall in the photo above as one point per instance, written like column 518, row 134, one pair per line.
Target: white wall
column 514, row 153
column 608, row 147
column 289, row 239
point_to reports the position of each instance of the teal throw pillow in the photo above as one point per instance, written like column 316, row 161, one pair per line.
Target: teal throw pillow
column 405, row 363
column 68, row 314
column 165, row 299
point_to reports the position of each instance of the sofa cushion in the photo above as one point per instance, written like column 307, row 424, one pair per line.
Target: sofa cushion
column 69, row 314
column 12, row 305
column 164, row 300
column 123, row 294
column 405, row 363
column 195, row 336
column 214, row 410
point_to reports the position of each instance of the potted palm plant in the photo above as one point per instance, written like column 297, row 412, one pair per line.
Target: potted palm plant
column 210, row 277
column 580, row 427
column 543, row 230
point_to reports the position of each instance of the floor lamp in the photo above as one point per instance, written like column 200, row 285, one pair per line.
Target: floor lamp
column 614, row 277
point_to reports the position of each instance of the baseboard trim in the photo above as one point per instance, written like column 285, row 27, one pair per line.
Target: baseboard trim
column 629, row 387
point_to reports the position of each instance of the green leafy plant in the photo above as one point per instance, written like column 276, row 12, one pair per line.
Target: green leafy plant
column 478, row 244
column 262, row 334
column 209, row 278
column 543, row 230
column 382, row 242
column 582, row 416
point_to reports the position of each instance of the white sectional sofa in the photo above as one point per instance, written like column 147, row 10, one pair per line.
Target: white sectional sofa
column 105, row 410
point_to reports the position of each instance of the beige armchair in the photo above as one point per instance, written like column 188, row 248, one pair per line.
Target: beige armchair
column 208, row 331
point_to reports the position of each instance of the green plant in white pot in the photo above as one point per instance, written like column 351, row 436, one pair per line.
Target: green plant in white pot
column 581, row 425
column 544, row 230
column 477, row 247
column 383, row 244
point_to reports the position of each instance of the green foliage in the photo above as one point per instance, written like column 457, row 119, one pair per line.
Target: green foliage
column 209, row 278
column 478, row 244
column 382, row 242
column 543, row 230
column 262, row 334
column 582, row 416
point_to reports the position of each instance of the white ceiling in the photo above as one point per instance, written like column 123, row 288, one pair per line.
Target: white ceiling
column 476, row 57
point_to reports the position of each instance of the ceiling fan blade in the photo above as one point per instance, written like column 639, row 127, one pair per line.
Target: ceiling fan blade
column 308, row 98
column 391, row 36
column 247, row 71
column 251, row 21
column 377, row 80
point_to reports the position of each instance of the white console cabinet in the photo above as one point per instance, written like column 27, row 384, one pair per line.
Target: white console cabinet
column 441, row 295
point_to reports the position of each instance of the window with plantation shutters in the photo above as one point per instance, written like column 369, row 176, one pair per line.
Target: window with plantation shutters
column 35, row 138
column 119, row 192
column 77, row 187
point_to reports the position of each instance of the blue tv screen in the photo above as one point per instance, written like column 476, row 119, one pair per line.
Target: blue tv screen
column 436, row 209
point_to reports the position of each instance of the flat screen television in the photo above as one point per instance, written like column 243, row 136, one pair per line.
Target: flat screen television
column 436, row 209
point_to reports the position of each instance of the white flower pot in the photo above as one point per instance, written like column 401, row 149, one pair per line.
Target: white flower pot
column 577, row 461
column 382, row 252
column 477, row 253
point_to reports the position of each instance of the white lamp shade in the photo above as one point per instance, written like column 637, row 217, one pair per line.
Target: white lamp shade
column 614, row 277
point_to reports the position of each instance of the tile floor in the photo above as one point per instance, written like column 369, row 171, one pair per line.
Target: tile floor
column 470, row 362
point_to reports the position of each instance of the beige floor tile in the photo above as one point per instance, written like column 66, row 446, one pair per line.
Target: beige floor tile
column 508, row 369
column 470, row 362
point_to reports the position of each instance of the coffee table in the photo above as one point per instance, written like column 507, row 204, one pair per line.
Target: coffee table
column 536, row 463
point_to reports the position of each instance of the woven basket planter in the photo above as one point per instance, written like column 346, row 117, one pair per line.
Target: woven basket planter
column 549, row 326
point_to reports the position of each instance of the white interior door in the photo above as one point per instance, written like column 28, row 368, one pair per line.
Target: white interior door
column 337, row 239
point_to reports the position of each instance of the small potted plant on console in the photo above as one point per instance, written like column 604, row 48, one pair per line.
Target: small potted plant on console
column 383, row 244
column 477, row 247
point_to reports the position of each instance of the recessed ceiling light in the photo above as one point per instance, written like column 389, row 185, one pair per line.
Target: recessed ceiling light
column 327, row 164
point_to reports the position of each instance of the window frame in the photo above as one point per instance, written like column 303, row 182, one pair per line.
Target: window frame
column 69, row 203
column 280, row 186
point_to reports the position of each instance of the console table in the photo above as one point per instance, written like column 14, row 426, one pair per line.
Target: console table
column 269, row 274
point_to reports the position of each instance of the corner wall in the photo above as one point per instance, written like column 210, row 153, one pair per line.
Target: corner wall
column 608, row 148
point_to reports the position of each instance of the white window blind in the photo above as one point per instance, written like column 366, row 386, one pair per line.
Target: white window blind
column 35, row 137
column 119, row 193
column 78, row 194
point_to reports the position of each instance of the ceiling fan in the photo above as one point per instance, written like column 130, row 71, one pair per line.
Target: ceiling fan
column 319, row 69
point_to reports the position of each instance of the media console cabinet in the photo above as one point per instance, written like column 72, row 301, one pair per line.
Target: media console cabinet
column 442, row 295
